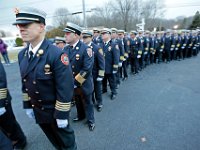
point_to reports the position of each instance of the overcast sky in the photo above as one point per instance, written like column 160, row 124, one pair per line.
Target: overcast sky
column 173, row 8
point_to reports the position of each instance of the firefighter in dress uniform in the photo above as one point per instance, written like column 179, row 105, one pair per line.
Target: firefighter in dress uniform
column 82, row 59
column 98, row 68
column 111, row 51
column 47, row 82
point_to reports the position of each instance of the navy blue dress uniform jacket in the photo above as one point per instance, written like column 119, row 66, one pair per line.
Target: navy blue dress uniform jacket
column 158, row 44
column 140, row 45
column 147, row 44
column 168, row 43
column 5, row 97
column 97, row 40
column 133, row 47
column 111, row 51
column 126, row 47
column 47, row 83
column 81, row 59
column 121, row 49
column 99, row 61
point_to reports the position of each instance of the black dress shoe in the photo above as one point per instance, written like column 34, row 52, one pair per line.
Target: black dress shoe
column 20, row 145
column 104, row 91
column 78, row 119
column 99, row 108
column 113, row 96
column 125, row 78
column 91, row 126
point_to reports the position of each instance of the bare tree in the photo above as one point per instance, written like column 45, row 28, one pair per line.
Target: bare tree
column 124, row 9
column 61, row 16
column 152, row 9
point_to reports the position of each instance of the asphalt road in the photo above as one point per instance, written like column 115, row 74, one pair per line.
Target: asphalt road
column 158, row 109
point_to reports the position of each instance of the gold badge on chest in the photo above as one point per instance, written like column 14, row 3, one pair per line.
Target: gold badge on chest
column 47, row 69
column 77, row 56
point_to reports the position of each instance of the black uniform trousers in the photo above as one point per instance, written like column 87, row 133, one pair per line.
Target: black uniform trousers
column 84, row 106
column 111, row 78
column 61, row 138
column 167, row 55
column 97, row 95
column 123, row 70
column 159, row 55
column 185, row 52
column 118, row 75
column 5, row 143
column 141, row 61
column 134, row 61
column 10, row 126
column 179, row 54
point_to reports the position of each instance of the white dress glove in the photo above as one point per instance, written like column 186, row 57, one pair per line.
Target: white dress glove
column 99, row 79
column 62, row 123
column 114, row 72
column 2, row 111
column 30, row 113
column 120, row 64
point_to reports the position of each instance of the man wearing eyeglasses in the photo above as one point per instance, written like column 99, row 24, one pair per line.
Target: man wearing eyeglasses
column 47, row 82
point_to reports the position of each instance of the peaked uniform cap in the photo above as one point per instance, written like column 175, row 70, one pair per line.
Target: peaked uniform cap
column 27, row 15
column 87, row 33
column 71, row 27
column 106, row 30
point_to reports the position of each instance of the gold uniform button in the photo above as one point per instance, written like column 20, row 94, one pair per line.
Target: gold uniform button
column 73, row 66
column 42, row 108
column 36, row 92
column 39, row 100
column 33, row 105
column 73, row 72
column 26, row 90
column 24, row 80
column 34, row 82
column 29, row 98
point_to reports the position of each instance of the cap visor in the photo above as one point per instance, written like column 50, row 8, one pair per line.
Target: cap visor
column 22, row 22
column 68, row 30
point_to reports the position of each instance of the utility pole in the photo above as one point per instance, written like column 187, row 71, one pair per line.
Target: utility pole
column 84, row 15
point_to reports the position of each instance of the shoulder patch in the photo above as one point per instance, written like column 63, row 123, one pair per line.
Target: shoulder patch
column 65, row 59
column 101, row 51
column 89, row 52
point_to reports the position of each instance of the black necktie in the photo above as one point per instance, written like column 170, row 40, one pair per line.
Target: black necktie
column 30, row 56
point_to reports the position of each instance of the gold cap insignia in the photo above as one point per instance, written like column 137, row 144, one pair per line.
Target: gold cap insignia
column 16, row 10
